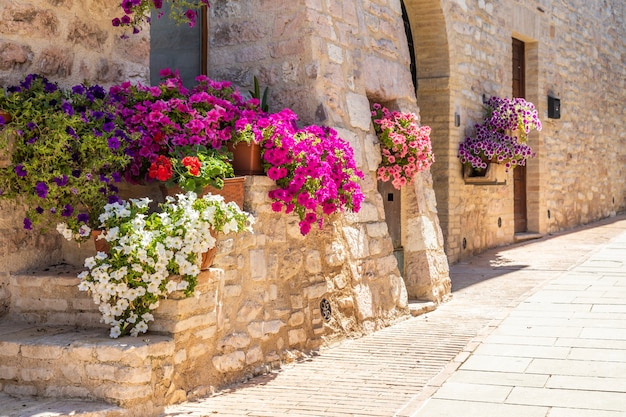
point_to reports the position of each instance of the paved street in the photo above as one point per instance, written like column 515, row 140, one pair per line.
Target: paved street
column 534, row 329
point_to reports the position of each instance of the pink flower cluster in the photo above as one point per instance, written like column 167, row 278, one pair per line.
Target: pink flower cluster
column 502, row 135
column 170, row 121
column 136, row 12
column 405, row 146
column 313, row 168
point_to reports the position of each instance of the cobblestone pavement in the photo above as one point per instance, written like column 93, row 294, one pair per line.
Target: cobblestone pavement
column 533, row 329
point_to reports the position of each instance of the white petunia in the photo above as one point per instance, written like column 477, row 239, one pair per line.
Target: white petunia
column 171, row 286
column 90, row 262
column 65, row 231
column 115, row 332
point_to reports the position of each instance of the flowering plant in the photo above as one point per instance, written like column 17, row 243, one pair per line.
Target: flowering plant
column 313, row 168
column 66, row 153
column 502, row 135
column 405, row 145
column 182, row 134
column 136, row 12
column 147, row 249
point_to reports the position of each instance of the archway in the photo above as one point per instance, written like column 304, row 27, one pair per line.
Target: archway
column 432, row 55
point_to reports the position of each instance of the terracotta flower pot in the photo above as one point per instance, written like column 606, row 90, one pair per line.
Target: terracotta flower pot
column 246, row 158
column 100, row 244
column 5, row 116
column 233, row 190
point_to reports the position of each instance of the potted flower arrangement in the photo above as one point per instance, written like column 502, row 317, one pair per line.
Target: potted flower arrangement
column 405, row 146
column 313, row 167
column 246, row 144
column 148, row 249
column 182, row 134
column 137, row 12
column 66, row 154
column 501, row 137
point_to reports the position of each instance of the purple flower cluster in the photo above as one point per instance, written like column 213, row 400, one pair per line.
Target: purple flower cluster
column 67, row 154
column 502, row 135
column 313, row 167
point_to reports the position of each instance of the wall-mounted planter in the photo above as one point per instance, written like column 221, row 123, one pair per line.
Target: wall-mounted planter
column 495, row 174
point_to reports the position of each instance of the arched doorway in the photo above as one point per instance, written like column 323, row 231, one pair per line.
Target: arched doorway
column 431, row 51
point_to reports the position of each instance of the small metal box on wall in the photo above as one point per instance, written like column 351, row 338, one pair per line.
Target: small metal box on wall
column 554, row 107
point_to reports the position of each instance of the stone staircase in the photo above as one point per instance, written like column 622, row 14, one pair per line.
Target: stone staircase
column 52, row 345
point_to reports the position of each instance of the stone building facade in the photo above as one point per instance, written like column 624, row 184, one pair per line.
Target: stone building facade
column 573, row 51
column 271, row 290
column 330, row 61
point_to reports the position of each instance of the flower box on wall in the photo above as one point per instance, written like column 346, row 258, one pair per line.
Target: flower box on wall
column 494, row 174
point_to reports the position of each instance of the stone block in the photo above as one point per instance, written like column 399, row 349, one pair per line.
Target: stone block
column 297, row 337
column 258, row 260
column 316, row 291
column 123, row 394
column 20, row 390
column 254, row 355
column 35, row 374
column 234, row 361
column 101, row 372
column 234, row 341
column 134, row 374
column 313, row 262
column 249, row 311
column 74, row 372
column 232, row 291
column 41, row 352
column 296, row 319
column 13, row 55
column 9, row 349
column 67, row 392
column 8, row 372
column 359, row 111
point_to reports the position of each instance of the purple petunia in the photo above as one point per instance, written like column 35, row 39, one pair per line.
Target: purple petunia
column 67, row 210
column 41, row 189
column 61, row 181
column 21, row 171
column 28, row 224
column 114, row 143
column 83, row 218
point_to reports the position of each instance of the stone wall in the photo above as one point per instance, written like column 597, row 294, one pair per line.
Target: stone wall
column 573, row 51
column 329, row 61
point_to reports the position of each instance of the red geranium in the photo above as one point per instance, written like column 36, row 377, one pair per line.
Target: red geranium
column 193, row 164
column 161, row 169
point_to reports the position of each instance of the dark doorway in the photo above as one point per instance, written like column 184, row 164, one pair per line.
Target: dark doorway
column 519, row 173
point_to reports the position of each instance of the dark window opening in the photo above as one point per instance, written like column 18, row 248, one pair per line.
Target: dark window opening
column 409, row 38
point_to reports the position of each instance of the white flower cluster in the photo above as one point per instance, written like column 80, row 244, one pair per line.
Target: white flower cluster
column 65, row 230
column 146, row 249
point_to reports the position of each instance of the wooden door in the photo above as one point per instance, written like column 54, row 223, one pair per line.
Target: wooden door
column 519, row 173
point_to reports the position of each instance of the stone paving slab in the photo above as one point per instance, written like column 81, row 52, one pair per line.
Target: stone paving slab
column 471, row 356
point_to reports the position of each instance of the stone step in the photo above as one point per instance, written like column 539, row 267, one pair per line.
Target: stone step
column 50, row 296
column 50, row 407
column 70, row 363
